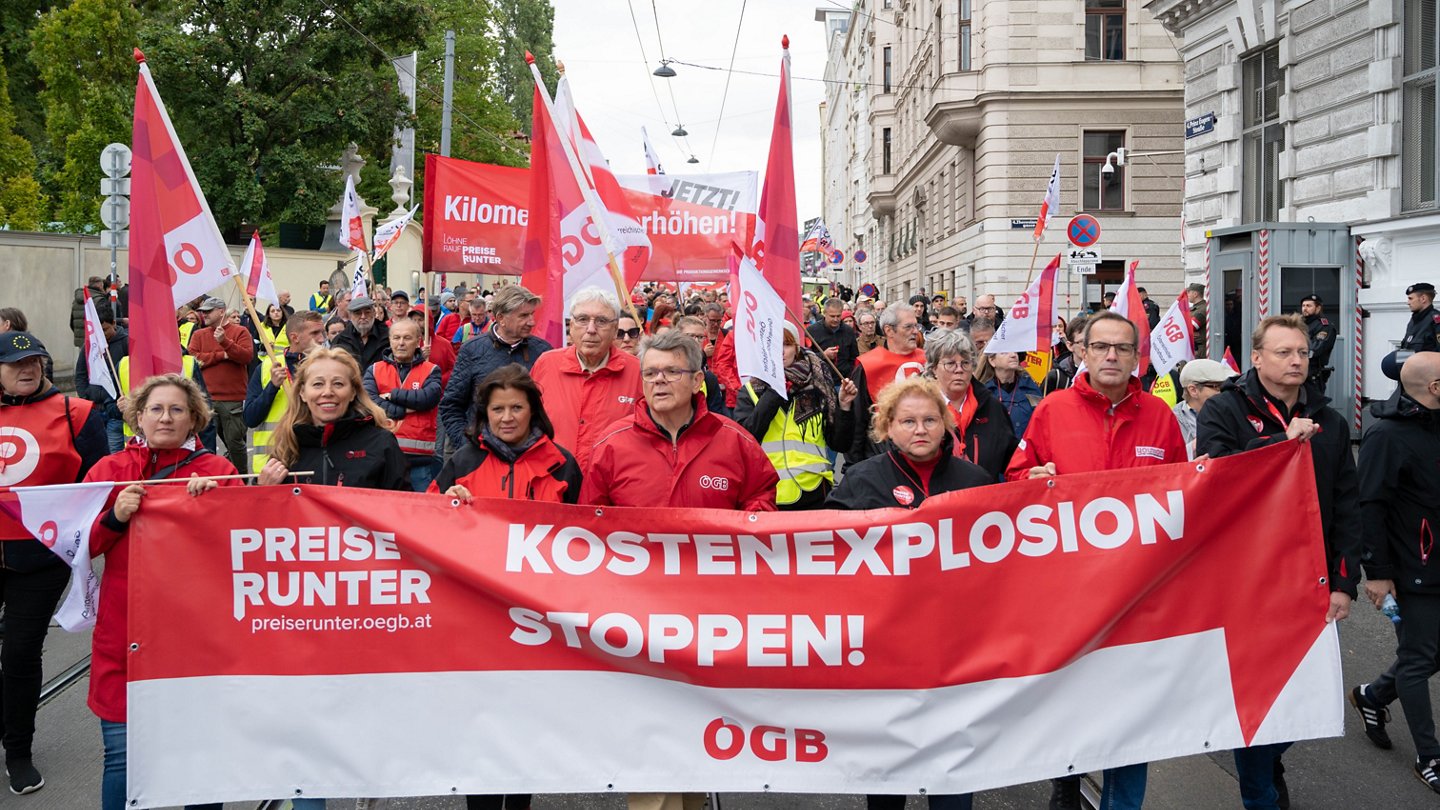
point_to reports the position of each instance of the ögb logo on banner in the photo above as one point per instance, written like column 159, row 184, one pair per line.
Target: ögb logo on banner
column 19, row 455
column 907, row 370
column 725, row 739
column 715, row 482
column 48, row 533
column 903, row 495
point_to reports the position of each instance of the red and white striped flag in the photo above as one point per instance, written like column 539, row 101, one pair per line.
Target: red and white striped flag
column 1051, row 203
column 652, row 160
column 259, row 284
column 1028, row 326
column 1129, row 305
column 60, row 517
column 97, row 364
column 390, row 232
column 776, row 249
column 352, row 226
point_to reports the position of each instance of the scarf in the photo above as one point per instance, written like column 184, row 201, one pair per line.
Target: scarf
column 963, row 417
column 806, row 397
column 506, row 451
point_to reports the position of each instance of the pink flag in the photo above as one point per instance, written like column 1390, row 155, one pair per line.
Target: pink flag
column 256, row 271
column 1173, row 342
column 1051, row 203
column 559, row 235
column 776, row 250
column 176, row 252
column 1028, row 326
column 1128, row 304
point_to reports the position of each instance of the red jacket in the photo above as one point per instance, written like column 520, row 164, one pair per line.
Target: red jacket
column 224, row 364
column 714, row 464
column 723, row 364
column 111, row 538
column 1079, row 431
column 582, row 405
column 442, row 354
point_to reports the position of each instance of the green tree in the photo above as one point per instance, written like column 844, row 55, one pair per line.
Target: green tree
column 17, row 19
column 525, row 25
column 83, row 56
column 21, row 202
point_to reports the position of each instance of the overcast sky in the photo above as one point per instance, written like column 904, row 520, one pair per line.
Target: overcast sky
column 596, row 39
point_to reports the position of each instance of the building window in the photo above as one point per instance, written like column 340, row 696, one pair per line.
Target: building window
column 1102, row 190
column 964, row 37
column 1105, row 30
column 1417, row 107
column 885, row 150
column 1263, row 136
column 885, row 68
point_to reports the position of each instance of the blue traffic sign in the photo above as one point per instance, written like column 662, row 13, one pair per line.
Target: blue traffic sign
column 1084, row 231
column 838, row 257
column 859, row 257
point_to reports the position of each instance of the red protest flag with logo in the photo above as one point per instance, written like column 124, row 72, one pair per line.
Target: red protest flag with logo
column 1129, row 305
column 777, row 237
column 555, row 199
column 176, row 251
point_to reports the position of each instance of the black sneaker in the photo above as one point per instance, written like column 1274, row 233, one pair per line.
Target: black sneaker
column 23, row 777
column 1374, row 718
column 1065, row 793
column 1282, row 790
column 1425, row 771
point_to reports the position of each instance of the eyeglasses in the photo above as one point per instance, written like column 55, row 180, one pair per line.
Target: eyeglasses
column 670, row 374
column 953, row 366
column 584, row 321
column 1213, row 386
column 1103, row 349
column 630, row 334
column 161, row 411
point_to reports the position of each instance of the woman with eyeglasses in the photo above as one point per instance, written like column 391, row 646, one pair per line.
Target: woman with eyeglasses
column 167, row 413
column 983, row 434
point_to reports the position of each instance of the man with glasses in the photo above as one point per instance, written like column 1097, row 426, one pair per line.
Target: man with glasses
column 1104, row 421
column 1271, row 403
column 985, row 308
column 1400, row 509
column 366, row 338
column 588, row 385
column 894, row 359
column 1199, row 381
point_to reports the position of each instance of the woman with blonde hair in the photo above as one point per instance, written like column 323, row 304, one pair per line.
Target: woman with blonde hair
column 332, row 429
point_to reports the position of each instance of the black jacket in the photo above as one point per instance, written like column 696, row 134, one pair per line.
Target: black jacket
column 842, row 336
column 1422, row 333
column 874, row 482
column 1238, row 419
column 1400, row 494
column 474, row 362
column 1061, row 376
column 352, row 452
column 367, row 353
column 119, row 346
column 990, row 440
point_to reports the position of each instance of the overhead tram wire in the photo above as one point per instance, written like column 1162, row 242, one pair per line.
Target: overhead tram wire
column 670, row 86
column 794, row 78
column 844, row 7
column 720, row 119
column 639, row 40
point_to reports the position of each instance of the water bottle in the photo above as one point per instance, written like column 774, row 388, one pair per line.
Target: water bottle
column 1389, row 607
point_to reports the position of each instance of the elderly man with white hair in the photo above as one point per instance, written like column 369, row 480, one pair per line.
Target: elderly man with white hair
column 591, row 383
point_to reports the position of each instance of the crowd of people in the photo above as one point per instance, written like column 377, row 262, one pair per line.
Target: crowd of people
column 885, row 405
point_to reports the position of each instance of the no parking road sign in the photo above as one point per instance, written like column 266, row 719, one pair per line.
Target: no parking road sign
column 1084, row 231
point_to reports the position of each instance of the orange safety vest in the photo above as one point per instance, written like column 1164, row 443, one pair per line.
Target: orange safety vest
column 42, row 437
column 416, row 431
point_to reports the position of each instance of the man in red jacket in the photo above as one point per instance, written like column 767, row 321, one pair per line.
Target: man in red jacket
column 589, row 385
column 1105, row 421
column 224, row 351
column 672, row 451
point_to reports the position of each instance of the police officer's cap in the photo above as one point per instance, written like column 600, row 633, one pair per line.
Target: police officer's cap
column 17, row 346
column 1313, row 297
column 1421, row 287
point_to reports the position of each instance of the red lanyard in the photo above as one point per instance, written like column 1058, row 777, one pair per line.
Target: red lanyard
column 1427, row 541
column 1275, row 412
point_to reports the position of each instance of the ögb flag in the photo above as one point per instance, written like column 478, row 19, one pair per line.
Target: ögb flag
column 652, row 160
column 1172, row 342
column 776, row 247
column 759, row 329
column 390, row 232
column 314, row 623
column 817, row 239
column 1128, row 305
column 176, row 251
column 1030, row 325
column 1051, row 203
column 359, row 279
column 352, row 226
column 60, row 517
column 97, row 352
column 259, row 284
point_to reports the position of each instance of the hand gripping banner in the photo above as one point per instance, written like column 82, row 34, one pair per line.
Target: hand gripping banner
column 309, row 642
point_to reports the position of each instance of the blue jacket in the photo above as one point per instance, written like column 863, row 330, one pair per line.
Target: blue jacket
column 475, row 361
column 1018, row 403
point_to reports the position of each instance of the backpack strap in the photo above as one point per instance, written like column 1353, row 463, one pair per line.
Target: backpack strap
column 167, row 471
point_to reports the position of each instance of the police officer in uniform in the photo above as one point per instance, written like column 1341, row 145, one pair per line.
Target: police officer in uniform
column 1422, row 334
column 1322, row 340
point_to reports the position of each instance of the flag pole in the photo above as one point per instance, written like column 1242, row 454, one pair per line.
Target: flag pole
column 587, row 191
column 800, row 325
column 238, row 477
column 1030, row 276
column 255, row 319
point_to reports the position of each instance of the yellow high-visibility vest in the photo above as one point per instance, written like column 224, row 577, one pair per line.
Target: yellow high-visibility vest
column 185, row 329
column 187, row 369
column 257, row 439
column 1164, row 388
column 797, row 452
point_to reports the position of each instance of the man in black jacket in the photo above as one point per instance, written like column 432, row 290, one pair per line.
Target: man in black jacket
column 1400, row 509
column 1270, row 403
column 365, row 337
column 508, row 341
column 835, row 339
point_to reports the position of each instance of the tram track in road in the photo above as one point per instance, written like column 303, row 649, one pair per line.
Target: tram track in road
column 57, row 685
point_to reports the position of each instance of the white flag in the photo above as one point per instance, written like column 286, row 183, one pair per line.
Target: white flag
column 1171, row 341
column 1051, row 203
column 358, row 286
column 352, row 227
column 256, row 272
column 652, row 160
column 1028, row 326
column 760, row 329
column 389, row 232
column 60, row 517
column 95, row 363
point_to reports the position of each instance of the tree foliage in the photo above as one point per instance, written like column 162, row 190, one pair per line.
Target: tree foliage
column 21, row 202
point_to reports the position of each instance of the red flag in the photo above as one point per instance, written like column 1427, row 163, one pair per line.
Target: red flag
column 554, row 196
column 1128, row 304
column 1229, row 360
column 777, row 238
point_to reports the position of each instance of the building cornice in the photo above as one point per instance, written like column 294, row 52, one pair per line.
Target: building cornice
column 1175, row 15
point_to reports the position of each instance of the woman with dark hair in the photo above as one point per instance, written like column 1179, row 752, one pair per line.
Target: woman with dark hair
column 13, row 320
column 509, row 452
column 273, row 327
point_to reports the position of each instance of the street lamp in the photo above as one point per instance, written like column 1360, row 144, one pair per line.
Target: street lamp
column 664, row 71
column 1120, row 155
column 693, row 159
column 679, row 131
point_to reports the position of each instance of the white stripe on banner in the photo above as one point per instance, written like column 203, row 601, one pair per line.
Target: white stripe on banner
column 382, row 735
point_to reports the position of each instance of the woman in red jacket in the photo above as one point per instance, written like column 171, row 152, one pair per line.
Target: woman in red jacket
column 168, row 413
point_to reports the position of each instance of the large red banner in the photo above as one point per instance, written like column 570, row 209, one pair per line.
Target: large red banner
column 990, row 637
column 476, row 215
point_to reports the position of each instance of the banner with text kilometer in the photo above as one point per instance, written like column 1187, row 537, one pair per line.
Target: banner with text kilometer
column 307, row 642
column 475, row 216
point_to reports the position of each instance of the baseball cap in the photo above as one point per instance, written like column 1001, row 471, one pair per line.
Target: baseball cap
column 360, row 302
column 399, row 294
column 1204, row 370
column 16, row 346
column 210, row 303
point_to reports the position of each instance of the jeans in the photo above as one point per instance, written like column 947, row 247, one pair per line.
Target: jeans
column 1124, row 787
column 29, row 598
column 423, row 470
column 115, row 434
column 1256, row 768
column 1416, row 661
column 936, row 801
